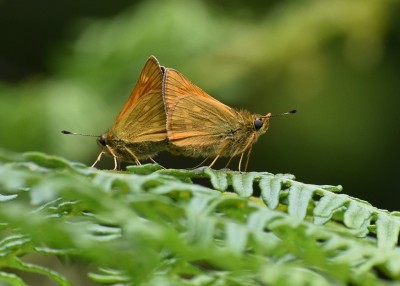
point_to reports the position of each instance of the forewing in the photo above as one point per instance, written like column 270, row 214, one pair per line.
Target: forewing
column 177, row 85
column 146, row 121
column 143, row 116
column 194, row 117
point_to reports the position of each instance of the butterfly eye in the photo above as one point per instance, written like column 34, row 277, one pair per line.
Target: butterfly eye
column 103, row 140
column 258, row 123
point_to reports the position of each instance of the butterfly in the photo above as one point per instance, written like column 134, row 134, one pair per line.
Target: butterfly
column 198, row 125
column 139, row 131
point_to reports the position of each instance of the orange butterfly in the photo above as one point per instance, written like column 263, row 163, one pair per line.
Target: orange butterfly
column 139, row 131
column 200, row 126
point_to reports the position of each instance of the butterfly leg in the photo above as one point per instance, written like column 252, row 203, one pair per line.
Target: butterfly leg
column 219, row 154
column 98, row 159
column 229, row 161
column 152, row 160
column 133, row 156
column 199, row 165
column 248, row 158
column 114, row 156
column 240, row 161
column 248, row 154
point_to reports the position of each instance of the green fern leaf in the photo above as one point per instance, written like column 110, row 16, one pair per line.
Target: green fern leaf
column 242, row 183
column 299, row 198
column 327, row 206
column 270, row 189
column 388, row 230
column 219, row 179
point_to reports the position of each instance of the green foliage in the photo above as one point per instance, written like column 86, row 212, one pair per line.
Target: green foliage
column 154, row 226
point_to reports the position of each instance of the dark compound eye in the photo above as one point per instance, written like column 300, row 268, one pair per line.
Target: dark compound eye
column 102, row 141
column 258, row 123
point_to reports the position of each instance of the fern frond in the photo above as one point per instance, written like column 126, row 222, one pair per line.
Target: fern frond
column 150, row 226
column 321, row 203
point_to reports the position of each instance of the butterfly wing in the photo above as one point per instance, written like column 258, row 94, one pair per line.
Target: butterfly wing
column 193, row 117
column 143, row 116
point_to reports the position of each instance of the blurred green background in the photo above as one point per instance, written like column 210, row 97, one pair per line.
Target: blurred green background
column 72, row 64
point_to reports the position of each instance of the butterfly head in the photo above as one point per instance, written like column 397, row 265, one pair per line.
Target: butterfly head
column 261, row 123
column 107, row 144
column 102, row 141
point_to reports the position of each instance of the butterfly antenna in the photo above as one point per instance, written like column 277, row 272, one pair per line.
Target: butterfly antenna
column 80, row 134
column 285, row 113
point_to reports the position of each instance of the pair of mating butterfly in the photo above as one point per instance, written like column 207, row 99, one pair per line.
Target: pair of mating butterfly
column 166, row 112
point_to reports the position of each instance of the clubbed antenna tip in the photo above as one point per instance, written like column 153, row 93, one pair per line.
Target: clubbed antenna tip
column 80, row 134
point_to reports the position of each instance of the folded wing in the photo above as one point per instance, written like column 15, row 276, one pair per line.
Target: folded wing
column 143, row 116
column 193, row 117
